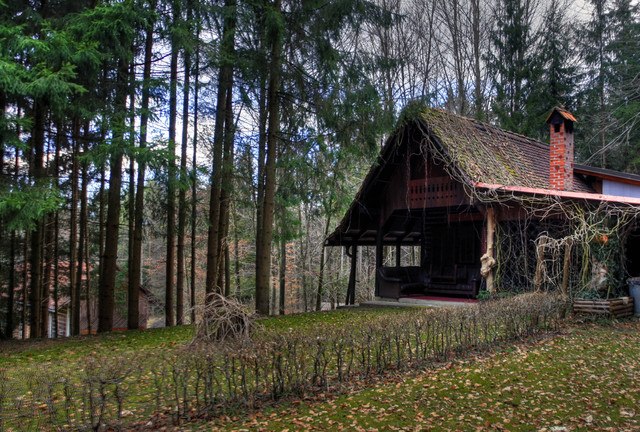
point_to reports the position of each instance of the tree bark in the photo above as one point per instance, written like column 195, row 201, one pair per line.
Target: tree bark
column 25, row 286
column 133, row 307
column 171, row 181
column 37, row 234
column 477, row 57
column 83, row 252
column 12, row 285
column 236, row 253
column 13, row 251
column 194, row 182
column 182, row 195
column 225, row 196
column 225, row 84
column 265, row 234
column 106, row 289
column 131, row 204
column 322, row 264
column 283, row 275
column 73, row 230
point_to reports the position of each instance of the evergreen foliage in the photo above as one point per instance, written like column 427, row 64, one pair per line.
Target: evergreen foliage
column 284, row 110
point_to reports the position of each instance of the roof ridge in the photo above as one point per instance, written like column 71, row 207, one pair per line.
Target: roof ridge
column 537, row 142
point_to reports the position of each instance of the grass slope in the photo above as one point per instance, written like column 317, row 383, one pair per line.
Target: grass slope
column 587, row 379
column 18, row 355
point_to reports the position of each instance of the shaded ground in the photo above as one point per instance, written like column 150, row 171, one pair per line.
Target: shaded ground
column 586, row 379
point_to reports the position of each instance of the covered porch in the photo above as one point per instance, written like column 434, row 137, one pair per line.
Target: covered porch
column 420, row 253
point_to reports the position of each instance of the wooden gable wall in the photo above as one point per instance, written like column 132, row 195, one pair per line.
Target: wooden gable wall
column 418, row 182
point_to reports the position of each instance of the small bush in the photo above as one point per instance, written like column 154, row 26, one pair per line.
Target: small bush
column 224, row 319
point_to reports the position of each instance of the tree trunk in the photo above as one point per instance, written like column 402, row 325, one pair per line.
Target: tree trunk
column 236, row 253
column 133, row 307
column 73, row 237
column 262, row 144
column 322, row 264
column 225, row 195
column 265, row 234
column 477, row 57
column 48, row 275
column 83, row 252
column 540, row 263
column 106, row 288
column 283, row 275
column 56, row 235
column 182, row 198
column 12, row 286
column 304, row 252
column 87, row 259
column 194, row 182
column 13, row 251
column 225, row 84
column 171, row 181
column 131, row 204
column 38, row 173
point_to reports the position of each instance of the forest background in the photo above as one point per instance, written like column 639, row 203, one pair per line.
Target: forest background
column 192, row 147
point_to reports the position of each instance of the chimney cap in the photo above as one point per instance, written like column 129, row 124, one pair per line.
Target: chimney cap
column 566, row 115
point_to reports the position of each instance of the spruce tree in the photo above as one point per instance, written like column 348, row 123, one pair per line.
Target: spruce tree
column 510, row 61
column 553, row 72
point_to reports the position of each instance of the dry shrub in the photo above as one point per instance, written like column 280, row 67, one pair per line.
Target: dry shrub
column 224, row 319
column 239, row 373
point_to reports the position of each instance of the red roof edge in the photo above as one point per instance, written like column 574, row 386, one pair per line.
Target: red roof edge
column 559, row 193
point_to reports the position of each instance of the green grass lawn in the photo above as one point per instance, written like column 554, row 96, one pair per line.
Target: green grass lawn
column 68, row 352
column 586, row 379
column 29, row 368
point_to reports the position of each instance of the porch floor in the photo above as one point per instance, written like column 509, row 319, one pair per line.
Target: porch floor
column 419, row 300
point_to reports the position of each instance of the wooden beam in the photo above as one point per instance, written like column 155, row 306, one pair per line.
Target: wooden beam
column 488, row 261
column 379, row 251
column 351, row 288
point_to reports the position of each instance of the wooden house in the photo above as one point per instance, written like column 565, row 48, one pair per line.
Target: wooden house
column 441, row 184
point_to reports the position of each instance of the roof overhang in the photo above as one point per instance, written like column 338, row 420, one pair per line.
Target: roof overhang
column 607, row 174
column 559, row 194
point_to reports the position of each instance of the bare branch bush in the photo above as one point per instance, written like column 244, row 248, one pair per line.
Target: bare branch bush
column 224, row 319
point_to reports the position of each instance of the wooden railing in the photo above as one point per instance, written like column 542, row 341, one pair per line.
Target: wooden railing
column 435, row 192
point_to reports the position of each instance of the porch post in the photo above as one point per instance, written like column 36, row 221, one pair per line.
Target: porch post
column 351, row 288
column 398, row 250
column 379, row 252
column 488, row 261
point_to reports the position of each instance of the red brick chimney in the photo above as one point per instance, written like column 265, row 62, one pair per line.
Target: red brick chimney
column 560, row 123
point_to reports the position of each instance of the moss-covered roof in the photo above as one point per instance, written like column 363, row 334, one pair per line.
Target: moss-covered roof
column 488, row 154
column 470, row 150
